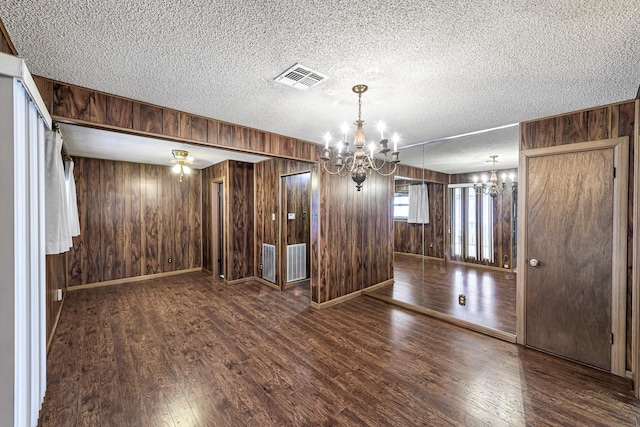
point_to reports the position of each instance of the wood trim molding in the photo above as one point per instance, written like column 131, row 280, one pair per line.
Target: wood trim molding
column 635, row 279
column 55, row 323
column 132, row 279
column 432, row 258
column 240, row 281
column 584, row 110
column 267, row 283
column 505, row 336
column 87, row 107
column 619, row 273
column 483, row 266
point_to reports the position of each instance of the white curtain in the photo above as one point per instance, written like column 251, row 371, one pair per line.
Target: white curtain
column 57, row 224
column 418, row 204
column 72, row 200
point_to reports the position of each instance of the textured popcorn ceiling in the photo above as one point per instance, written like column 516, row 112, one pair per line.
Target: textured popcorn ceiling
column 434, row 68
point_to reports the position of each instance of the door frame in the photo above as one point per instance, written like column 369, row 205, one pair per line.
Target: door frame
column 215, row 221
column 619, row 243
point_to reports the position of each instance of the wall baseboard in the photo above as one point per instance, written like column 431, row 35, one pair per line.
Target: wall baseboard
column 351, row 295
column 239, row 281
column 55, row 323
column 132, row 279
column 266, row 283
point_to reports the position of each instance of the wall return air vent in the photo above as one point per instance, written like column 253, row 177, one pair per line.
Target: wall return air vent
column 300, row 77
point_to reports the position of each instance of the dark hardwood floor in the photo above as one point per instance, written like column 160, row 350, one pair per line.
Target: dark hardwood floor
column 188, row 350
column 435, row 285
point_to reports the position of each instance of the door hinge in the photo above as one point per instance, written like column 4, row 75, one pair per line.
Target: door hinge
column 614, row 173
column 611, row 338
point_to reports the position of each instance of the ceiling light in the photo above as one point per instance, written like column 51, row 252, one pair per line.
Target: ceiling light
column 492, row 186
column 181, row 160
column 359, row 162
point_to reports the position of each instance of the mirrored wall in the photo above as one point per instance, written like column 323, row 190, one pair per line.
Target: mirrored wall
column 455, row 242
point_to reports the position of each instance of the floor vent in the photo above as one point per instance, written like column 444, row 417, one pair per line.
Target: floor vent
column 300, row 77
column 296, row 262
column 269, row 262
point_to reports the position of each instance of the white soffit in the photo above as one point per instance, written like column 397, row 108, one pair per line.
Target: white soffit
column 95, row 143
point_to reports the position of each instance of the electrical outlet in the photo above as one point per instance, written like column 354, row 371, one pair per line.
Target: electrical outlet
column 260, row 267
column 170, row 260
column 58, row 296
column 462, row 299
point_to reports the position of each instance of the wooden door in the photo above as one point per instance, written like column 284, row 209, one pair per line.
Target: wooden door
column 570, row 229
column 296, row 228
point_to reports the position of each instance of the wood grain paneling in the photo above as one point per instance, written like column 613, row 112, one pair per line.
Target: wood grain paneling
column 170, row 122
column 405, row 171
column 132, row 219
column 355, row 235
column 199, row 129
column 241, row 220
column 120, row 113
column 90, row 107
column 609, row 121
column 45, row 87
column 6, row 45
column 71, row 102
column 147, row 118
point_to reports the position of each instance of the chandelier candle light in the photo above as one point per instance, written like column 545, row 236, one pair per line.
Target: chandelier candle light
column 491, row 187
column 359, row 162
column 181, row 160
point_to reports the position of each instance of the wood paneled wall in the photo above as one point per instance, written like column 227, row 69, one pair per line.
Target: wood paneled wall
column 405, row 171
column 133, row 218
column 56, row 272
column 241, row 203
column 502, row 227
column 75, row 104
column 408, row 238
column 352, row 234
column 6, row 45
column 604, row 122
column 267, row 203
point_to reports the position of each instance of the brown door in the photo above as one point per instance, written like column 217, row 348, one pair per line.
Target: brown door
column 296, row 218
column 569, row 232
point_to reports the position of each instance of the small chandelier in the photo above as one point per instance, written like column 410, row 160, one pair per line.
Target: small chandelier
column 491, row 186
column 181, row 161
column 359, row 162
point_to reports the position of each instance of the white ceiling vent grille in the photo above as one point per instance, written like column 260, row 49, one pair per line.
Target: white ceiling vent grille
column 300, row 77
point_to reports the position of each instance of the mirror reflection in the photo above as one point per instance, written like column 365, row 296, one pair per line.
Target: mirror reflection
column 455, row 216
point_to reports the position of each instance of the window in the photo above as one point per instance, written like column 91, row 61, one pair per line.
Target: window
column 471, row 225
column 456, row 229
column 401, row 205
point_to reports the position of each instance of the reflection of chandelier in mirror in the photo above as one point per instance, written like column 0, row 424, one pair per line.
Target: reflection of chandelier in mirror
column 491, row 186
column 181, row 160
column 359, row 162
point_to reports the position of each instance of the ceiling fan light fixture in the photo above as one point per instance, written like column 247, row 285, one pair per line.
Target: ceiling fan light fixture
column 181, row 159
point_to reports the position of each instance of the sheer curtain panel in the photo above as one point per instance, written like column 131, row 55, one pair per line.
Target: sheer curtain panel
column 418, row 204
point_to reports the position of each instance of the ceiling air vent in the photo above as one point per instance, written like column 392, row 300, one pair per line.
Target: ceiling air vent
column 300, row 77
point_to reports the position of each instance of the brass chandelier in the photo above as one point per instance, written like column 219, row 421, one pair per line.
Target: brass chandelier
column 491, row 186
column 359, row 162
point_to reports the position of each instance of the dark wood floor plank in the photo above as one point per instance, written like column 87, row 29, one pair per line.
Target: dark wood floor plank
column 435, row 285
column 189, row 350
